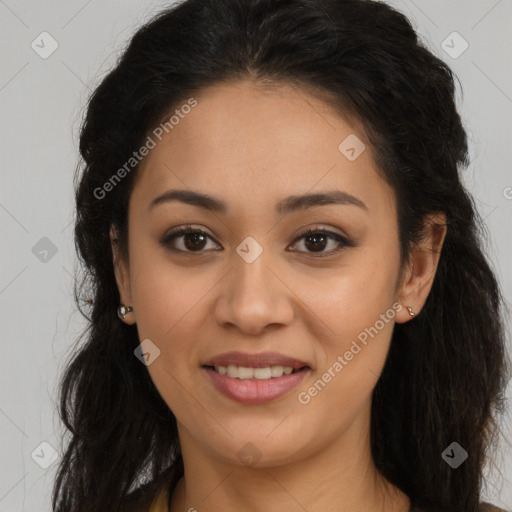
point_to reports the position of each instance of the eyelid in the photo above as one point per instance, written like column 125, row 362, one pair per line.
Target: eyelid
column 320, row 228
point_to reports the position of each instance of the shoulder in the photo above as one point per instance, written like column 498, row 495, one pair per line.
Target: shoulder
column 487, row 507
column 484, row 507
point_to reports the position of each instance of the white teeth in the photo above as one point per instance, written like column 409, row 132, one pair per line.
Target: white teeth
column 232, row 372
column 244, row 373
column 263, row 373
column 276, row 371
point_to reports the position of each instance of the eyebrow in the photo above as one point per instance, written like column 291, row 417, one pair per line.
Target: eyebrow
column 288, row 205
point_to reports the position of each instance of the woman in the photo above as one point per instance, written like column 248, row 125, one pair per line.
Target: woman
column 289, row 305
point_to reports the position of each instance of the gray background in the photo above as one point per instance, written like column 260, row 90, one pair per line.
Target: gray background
column 41, row 103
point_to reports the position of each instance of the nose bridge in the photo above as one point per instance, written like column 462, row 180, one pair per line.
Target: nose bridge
column 253, row 297
column 251, row 275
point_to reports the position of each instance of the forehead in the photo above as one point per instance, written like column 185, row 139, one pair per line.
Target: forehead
column 245, row 140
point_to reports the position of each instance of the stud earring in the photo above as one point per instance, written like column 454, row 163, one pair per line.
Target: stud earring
column 122, row 310
column 411, row 312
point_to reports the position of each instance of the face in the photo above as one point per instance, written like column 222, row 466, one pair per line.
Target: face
column 249, row 280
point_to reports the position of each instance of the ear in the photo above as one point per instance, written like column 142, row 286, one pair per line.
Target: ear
column 122, row 274
column 420, row 273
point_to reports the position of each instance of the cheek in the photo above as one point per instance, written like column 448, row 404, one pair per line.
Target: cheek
column 165, row 295
column 170, row 303
column 352, row 357
column 358, row 308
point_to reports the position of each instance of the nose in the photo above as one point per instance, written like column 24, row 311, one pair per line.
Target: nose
column 254, row 298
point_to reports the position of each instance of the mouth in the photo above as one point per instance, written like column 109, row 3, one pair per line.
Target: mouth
column 255, row 378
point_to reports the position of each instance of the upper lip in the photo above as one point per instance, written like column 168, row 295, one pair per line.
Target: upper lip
column 255, row 360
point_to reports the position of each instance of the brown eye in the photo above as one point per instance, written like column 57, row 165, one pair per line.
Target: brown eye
column 316, row 240
column 192, row 240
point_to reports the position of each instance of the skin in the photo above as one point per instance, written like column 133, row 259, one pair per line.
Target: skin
column 251, row 147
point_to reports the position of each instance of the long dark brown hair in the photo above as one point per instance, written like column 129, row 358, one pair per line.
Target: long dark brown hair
column 446, row 373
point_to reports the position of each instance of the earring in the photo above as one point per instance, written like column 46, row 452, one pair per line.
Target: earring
column 122, row 310
column 411, row 312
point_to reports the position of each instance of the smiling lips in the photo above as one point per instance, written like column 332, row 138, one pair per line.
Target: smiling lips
column 255, row 378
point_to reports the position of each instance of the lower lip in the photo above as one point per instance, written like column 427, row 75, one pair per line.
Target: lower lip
column 254, row 391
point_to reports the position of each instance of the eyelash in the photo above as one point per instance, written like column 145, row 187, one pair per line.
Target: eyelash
column 187, row 230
